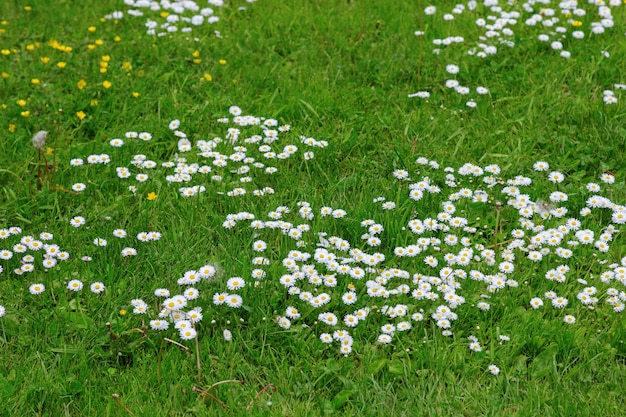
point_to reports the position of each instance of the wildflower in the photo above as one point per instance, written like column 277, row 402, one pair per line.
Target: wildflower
column 97, row 287
column 187, row 334
column 37, row 289
column 494, row 369
column 75, row 285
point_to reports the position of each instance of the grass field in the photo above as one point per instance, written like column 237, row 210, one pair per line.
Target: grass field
column 302, row 208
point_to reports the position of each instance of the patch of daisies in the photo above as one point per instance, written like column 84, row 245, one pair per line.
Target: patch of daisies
column 462, row 90
column 450, row 264
column 29, row 256
column 247, row 154
column 167, row 17
column 559, row 25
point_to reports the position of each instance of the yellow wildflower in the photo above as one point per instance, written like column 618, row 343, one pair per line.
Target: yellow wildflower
column 94, row 102
column 91, row 28
column 117, row 39
column 5, row 75
column 577, row 23
column 81, row 115
column 45, row 59
column 35, row 81
column 91, row 46
column 48, row 150
column 106, row 58
column 81, row 84
column 30, row 47
column 21, row 103
column 152, row 196
column 6, row 52
column 196, row 54
column 28, row 8
column 25, row 113
column 135, row 94
column 61, row 64
column 122, row 312
column 208, row 77
column 197, row 60
column 106, row 84
column 164, row 14
column 222, row 62
column 11, row 128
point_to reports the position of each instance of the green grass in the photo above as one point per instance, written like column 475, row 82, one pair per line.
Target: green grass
column 337, row 71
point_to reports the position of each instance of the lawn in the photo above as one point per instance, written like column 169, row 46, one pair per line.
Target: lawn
column 285, row 208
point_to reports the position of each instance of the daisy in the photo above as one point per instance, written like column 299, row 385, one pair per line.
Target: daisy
column 79, row 187
column 494, row 369
column 75, row 285
column 187, row 334
column 77, row 221
column 234, row 301
column 37, row 288
column 159, row 325
column 235, row 283
column 569, row 319
column 97, row 287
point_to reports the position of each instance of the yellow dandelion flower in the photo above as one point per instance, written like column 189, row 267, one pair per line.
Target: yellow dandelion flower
column 152, row 196
column 196, row 54
column 91, row 29
column 28, row 8
column 577, row 23
column 104, row 64
column 66, row 49
column 197, row 60
column 61, row 64
column 21, row 103
column 106, row 58
column 81, row 115
column 11, row 128
column 222, row 62
column 35, row 81
column 45, row 59
column 48, row 150
column 5, row 75
column 81, row 84
column 135, row 94
column 30, row 47
column 127, row 66
column 117, row 39
column 102, row 19
column 106, row 84
column 94, row 103
column 103, row 70
column 208, row 77
column 91, row 46
column 164, row 14
column 122, row 312
column 5, row 52
column 25, row 113
column 4, row 23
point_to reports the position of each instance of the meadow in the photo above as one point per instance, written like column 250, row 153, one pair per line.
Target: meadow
column 285, row 208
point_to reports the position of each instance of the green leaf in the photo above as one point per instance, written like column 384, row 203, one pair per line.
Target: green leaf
column 80, row 320
column 376, row 367
column 7, row 388
column 341, row 398
column 543, row 363
column 396, row 367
